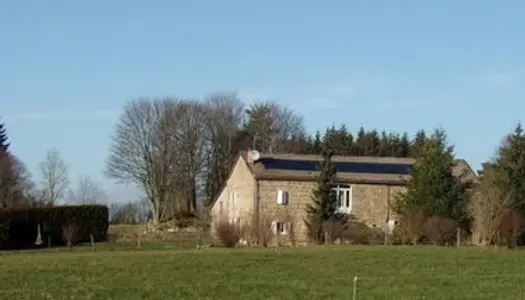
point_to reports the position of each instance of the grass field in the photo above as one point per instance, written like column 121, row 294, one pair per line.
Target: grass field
column 281, row 273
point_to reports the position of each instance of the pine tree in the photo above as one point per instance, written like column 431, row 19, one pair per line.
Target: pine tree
column 350, row 144
column 419, row 140
column 4, row 145
column 386, row 145
column 432, row 189
column 324, row 202
column 361, row 142
column 510, row 165
column 317, row 143
column 374, row 143
column 403, row 149
column 329, row 140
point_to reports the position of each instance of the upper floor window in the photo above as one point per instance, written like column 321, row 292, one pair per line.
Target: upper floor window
column 233, row 198
column 282, row 197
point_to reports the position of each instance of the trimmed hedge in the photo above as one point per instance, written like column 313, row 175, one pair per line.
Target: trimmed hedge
column 19, row 227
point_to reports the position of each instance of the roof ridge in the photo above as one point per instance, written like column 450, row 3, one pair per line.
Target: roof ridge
column 339, row 158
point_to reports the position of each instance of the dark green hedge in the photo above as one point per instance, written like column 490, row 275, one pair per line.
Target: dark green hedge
column 19, row 228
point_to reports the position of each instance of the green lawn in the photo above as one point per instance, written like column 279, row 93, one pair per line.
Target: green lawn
column 301, row 273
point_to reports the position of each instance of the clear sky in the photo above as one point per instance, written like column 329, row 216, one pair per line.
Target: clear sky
column 67, row 67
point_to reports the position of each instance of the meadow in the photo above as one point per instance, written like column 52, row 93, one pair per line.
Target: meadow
column 324, row 272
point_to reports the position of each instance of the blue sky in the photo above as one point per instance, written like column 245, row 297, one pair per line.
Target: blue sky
column 67, row 67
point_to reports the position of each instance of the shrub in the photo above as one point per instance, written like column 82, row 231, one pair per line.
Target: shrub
column 512, row 226
column 20, row 226
column 184, row 219
column 228, row 233
column 113, row 237
column 90, row 219
column 70, row 233
column 22, row 234
column 408, row 229
column 440, row 231
column 360, row 233
column 335, row 227
column 18, row 229
column 290, row 219
column 259, row 231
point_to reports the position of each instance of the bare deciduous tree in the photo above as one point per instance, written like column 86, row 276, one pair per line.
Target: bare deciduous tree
column 70, row 233
column 54, row 172
column 185, row 123
column 487, row 207
column 225, row 118
column 16, row 186
column 129, row 213
column 273, row 125
column 124, row 213
column 87, row 192
column 141, row 152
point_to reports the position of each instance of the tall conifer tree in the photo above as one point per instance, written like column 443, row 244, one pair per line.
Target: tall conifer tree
column 433, row 189
column 324, row 201
column 4, row 145
column 510, row 165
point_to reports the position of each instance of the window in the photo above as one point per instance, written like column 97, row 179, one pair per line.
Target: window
column 236, row 221
column 282, row 197
column 343, row 194
column 279, row 228
column 233, row 198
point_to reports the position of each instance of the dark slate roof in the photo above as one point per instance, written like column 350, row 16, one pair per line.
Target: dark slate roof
column 351, row 169
column 341, row 167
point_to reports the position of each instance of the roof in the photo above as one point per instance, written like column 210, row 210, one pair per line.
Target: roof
column 350, row 169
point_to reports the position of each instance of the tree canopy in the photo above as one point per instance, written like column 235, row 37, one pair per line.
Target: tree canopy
column 433, row 189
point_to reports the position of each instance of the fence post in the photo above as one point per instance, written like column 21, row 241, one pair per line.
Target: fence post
column 458, row 237
column 92, row 238
column 354, row 296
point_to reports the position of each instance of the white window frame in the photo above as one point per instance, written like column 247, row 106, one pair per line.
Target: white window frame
column 343, row 193
column 280, row 227
column 233, row 198
column 284, row 196
column 236, row 221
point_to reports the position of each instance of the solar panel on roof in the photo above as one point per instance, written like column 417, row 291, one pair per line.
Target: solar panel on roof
column 343, row 167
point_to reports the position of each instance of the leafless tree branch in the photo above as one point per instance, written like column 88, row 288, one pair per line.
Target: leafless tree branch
column 87, row 192
column 54, row 172
column 140, row 152
column 16, row 186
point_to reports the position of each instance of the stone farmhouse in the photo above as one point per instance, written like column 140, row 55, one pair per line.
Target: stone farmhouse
column 279, row 187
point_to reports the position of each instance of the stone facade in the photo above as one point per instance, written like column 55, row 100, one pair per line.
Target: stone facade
column 299, row 192
column 370, row 203
column 236, row 198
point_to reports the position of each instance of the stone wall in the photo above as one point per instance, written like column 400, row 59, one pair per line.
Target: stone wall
column 241, row 186
column 370, row 203
column 299, row 192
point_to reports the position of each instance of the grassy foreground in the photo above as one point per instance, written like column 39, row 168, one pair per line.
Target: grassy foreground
column 300, row 273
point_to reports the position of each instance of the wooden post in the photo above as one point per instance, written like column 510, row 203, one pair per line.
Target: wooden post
column 92, row 241
column 458, row 237
column 199, row 239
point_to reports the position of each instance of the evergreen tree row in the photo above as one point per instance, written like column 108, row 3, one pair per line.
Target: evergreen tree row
column 340, row 141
